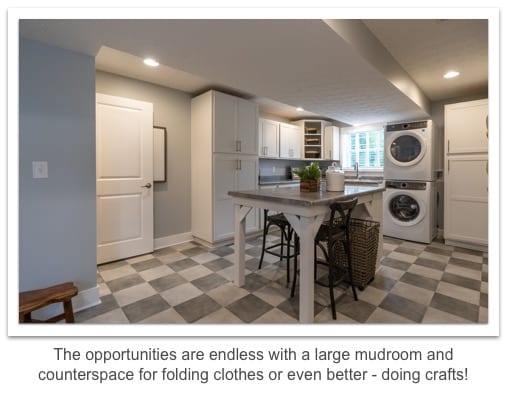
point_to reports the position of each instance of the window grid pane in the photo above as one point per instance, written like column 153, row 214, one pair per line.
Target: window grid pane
column 366, row 148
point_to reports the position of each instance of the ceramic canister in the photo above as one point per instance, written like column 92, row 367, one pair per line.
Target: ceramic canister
column 334, row 179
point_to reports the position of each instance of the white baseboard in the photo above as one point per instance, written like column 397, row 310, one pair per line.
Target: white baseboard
column 83, row 300
column 172, row 240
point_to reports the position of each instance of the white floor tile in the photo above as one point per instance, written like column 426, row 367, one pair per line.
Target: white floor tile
column 133, row 294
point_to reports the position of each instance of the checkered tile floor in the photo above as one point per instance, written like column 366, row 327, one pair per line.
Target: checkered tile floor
column 188, row 283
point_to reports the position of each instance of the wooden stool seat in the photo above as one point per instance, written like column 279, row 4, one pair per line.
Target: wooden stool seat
column 36, row 299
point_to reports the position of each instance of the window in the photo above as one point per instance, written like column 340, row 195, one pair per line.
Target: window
column 363, row 144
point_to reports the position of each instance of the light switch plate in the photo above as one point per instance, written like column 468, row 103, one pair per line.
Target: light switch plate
column 40, row 169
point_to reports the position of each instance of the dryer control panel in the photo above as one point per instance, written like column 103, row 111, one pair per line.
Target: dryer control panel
column 411, row 185
column 408, row 126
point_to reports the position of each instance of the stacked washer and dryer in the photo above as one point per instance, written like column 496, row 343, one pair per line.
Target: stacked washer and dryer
column 410, row 198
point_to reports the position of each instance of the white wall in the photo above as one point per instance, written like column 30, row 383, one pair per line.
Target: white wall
column 57, row 226
column 172, row 210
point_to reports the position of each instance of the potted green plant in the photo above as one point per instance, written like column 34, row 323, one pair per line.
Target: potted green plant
column 310, row 177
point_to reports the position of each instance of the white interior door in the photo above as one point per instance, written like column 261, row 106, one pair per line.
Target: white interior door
column 124, row 154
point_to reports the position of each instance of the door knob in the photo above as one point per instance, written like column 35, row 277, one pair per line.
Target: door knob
column 147, row 185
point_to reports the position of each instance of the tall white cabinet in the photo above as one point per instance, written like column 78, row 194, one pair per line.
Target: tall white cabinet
column 224, row 146
column 466, row 174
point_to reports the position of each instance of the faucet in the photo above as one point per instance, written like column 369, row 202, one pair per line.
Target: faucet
column 356, row 170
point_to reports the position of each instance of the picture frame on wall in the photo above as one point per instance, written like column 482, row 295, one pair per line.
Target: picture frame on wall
column 159, row 154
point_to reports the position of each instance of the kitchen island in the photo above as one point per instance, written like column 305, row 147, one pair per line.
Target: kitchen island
column 305, row 211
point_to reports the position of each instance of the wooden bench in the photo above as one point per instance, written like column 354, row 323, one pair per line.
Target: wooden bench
column 36, row 299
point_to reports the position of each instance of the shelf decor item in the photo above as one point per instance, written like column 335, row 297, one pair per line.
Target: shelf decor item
column 310, row 177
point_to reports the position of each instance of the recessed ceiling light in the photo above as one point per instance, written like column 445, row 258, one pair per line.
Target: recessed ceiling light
column 451, row 74
column 299, row 109
column 151, row 62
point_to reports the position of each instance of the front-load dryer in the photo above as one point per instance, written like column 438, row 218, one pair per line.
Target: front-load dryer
column 409, row 151
column 409, row 210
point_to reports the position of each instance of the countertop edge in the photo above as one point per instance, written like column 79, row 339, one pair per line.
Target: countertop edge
column 307, row 199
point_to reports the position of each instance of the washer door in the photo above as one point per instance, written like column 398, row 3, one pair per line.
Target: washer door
column 405, row 208
column 404, row 148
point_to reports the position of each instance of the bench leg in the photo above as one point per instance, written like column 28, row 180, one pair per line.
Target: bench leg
column 68, row 312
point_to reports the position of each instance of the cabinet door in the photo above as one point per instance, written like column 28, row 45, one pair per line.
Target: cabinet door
column 290, row 141
column 332, row 143
column 247, row 127
column 246, row 179
column 224, row 123
column 466, row 127
column 225, row 168
column 232, row 173
column 466, row 199
column 268, row 138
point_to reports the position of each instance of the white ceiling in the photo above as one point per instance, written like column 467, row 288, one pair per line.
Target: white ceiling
column 349, row 71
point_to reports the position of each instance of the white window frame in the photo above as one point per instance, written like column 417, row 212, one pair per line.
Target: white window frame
column 345, row 134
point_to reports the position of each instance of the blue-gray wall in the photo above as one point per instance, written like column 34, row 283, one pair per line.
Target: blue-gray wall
column 57, row 219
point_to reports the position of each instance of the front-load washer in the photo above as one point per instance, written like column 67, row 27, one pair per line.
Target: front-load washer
column 409, row 210
column 409, row 151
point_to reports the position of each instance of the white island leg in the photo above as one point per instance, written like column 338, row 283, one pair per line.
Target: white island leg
column 306, row 228
column 240, row 216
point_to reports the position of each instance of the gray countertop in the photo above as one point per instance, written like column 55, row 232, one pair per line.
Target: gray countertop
column 293, row 195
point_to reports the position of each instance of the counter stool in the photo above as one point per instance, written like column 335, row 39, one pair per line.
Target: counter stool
column 286, row 235
column 36, row 299
column 333, row 239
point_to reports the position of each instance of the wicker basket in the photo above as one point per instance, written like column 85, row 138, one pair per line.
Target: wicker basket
column 364, row 235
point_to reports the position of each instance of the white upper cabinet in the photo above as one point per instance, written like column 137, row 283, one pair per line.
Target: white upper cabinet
column 268, row 138
column 290, row 141
column 331, row 149
column 466, row 126
column 235, row 123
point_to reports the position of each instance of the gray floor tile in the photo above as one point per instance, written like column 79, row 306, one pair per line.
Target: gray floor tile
column 116, row 316
column 164, row 251
column 194, row 251
column 249, row 308
column 438, row 250
column 468, row 251
column 396, row 264
column 455, row 306
column 466, row 264
column 107, row 304
column 111, row 265
column 254, row 281
column 145, row 308
column 209, row 282
column 465, row 282
column 145, row 265
column 167, row 282
column 404, row 307
column 218, row 264
column 125, row 282
column 358, row 310
column 182, row 264
column 420, row 281
column 383, row 283
column 437, row 265
column 291, row 307
column 408, row 250
column 224, row 250
column 197, row 308
column 382, row 316
column 484, row 299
